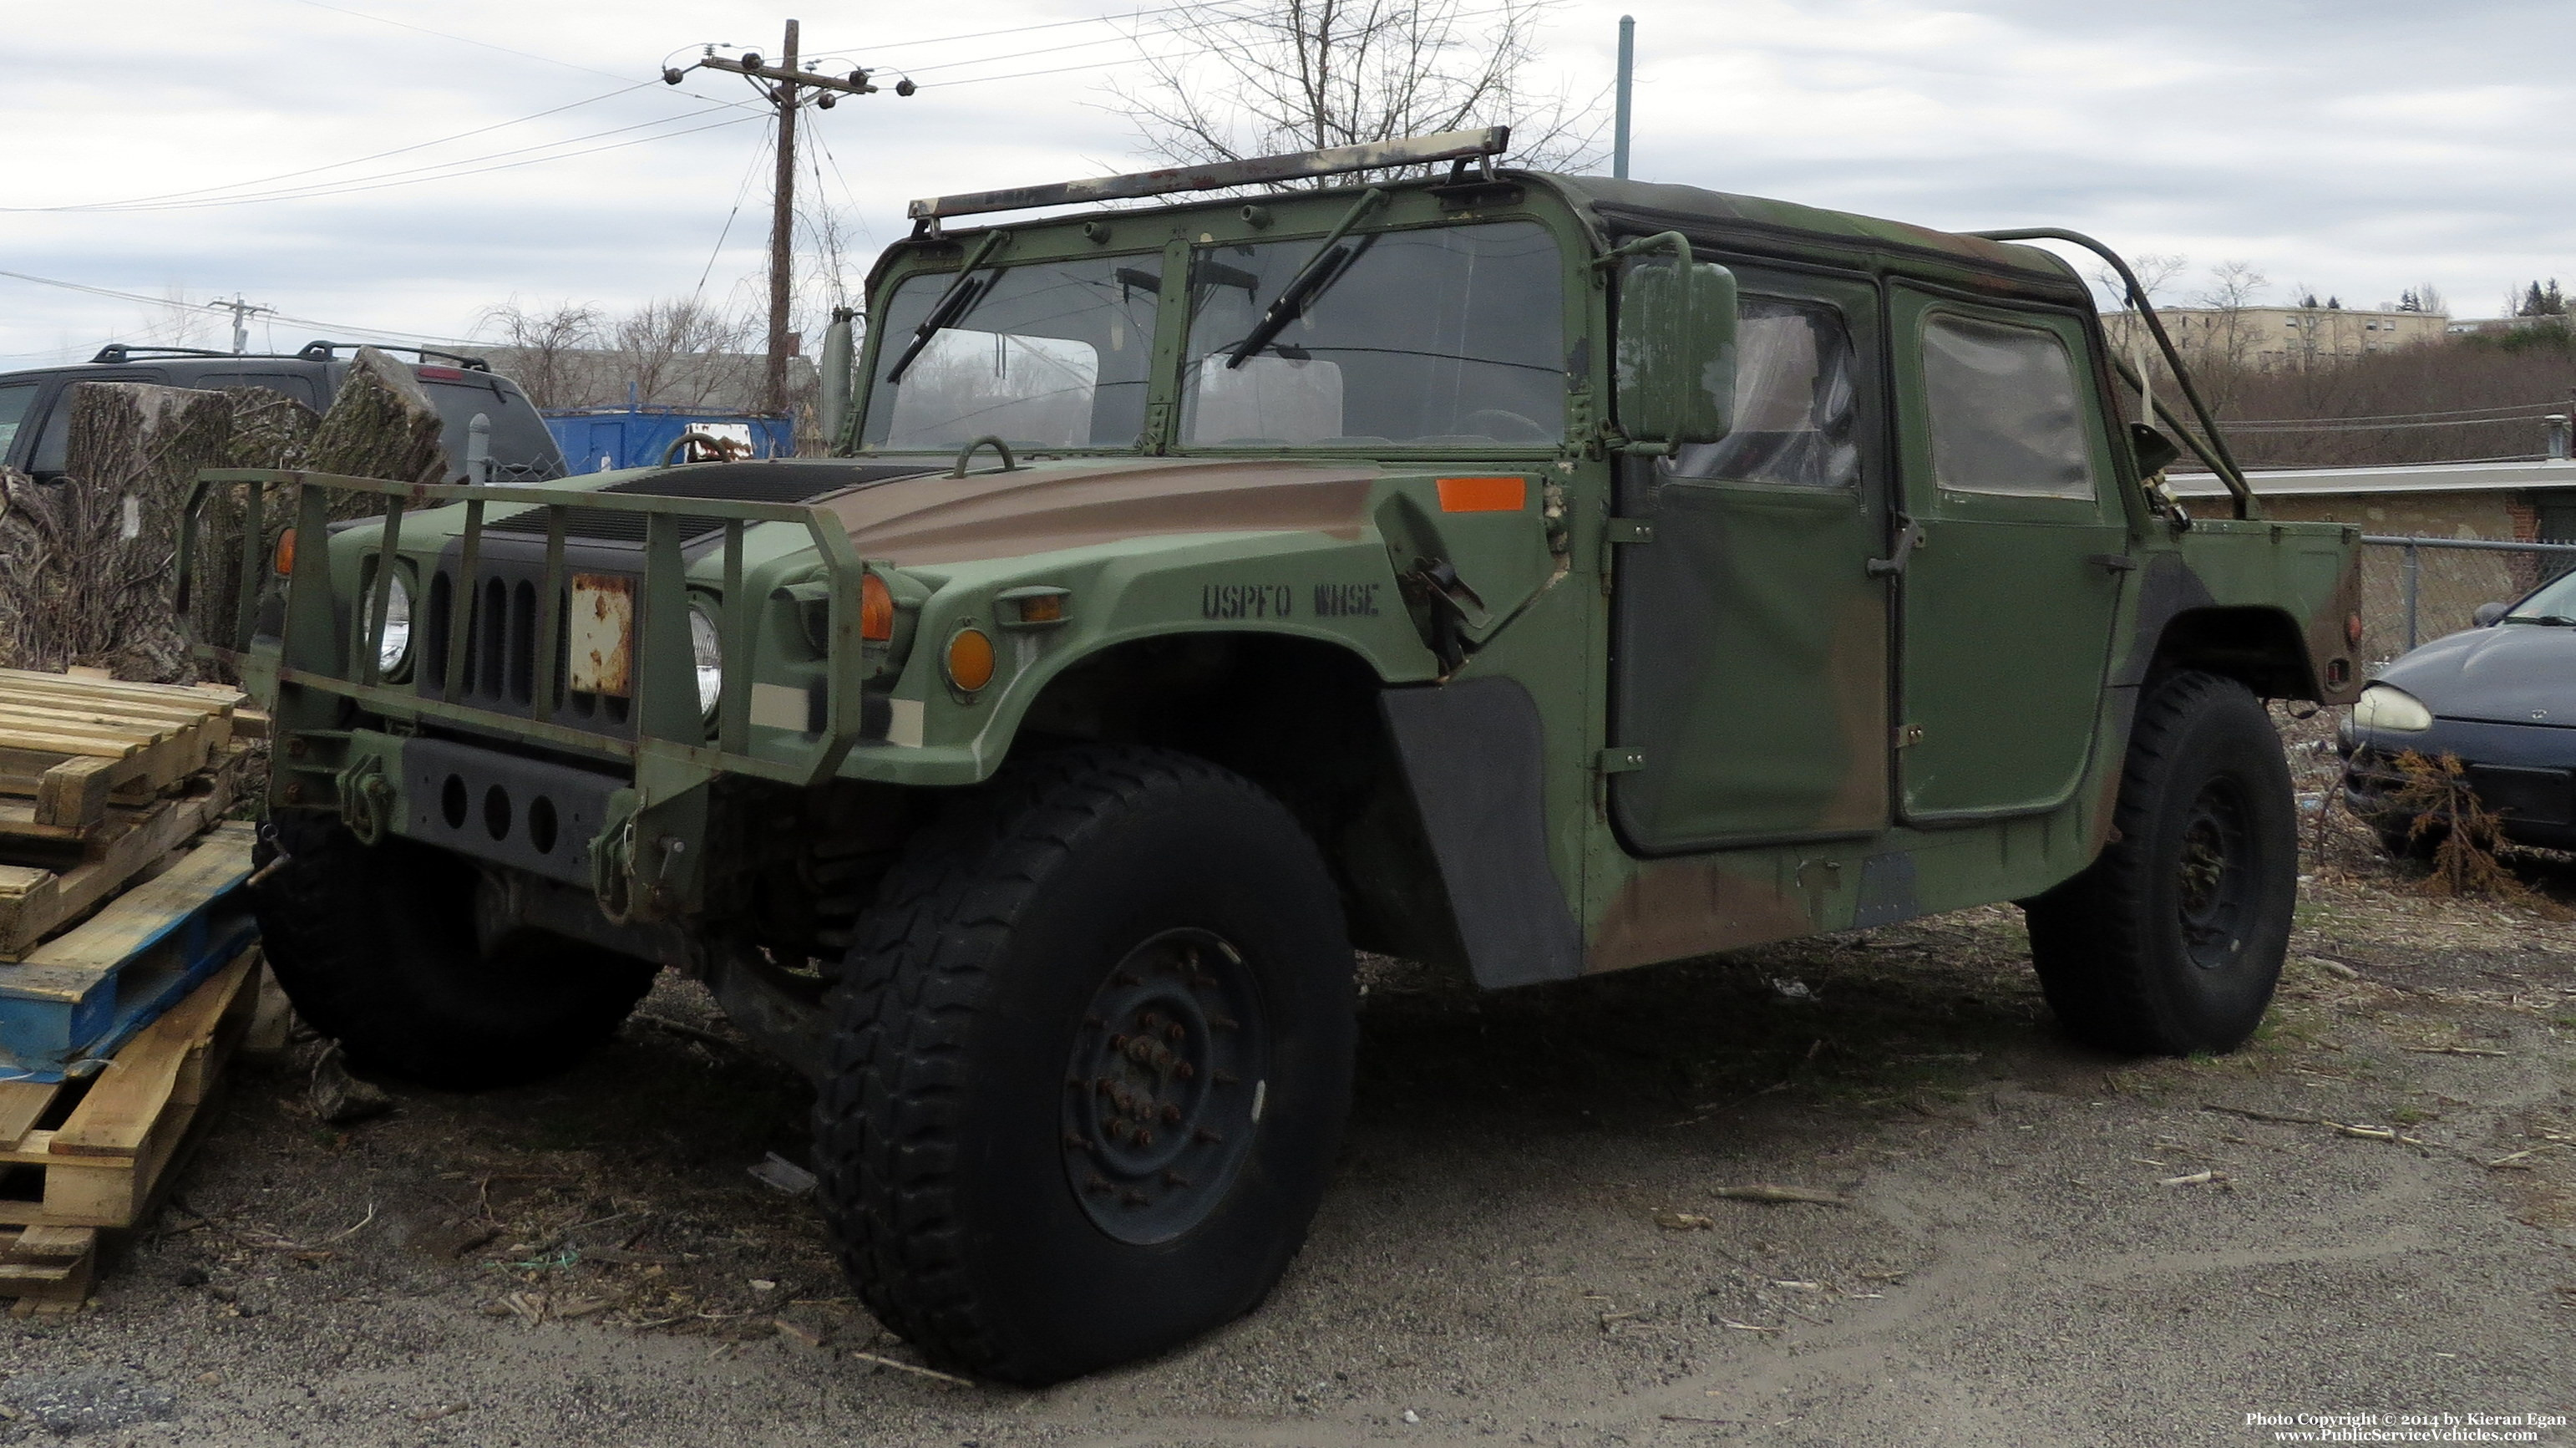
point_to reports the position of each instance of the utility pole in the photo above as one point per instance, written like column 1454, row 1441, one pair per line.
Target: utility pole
column 787, row 92
column 1627, row 82
column 242, row 313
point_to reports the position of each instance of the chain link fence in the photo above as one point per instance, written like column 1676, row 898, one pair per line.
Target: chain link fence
column 2414, row 590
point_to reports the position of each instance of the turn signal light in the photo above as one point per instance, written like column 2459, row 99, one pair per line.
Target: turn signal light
column 876, row 610
column 970, row 659
column 284, row 562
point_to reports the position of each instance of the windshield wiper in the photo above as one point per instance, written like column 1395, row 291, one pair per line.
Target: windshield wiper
column 952, row 305
column 2550, row 620
column 1320, row 271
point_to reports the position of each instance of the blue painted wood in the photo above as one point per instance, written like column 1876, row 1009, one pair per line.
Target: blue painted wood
column 64, row 1017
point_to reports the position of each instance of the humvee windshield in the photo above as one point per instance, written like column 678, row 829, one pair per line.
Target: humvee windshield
column 1051, row 354
column 1451, row 336
column 1447, row 337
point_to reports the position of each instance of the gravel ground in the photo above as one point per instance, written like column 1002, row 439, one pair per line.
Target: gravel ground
column 1524, row 1242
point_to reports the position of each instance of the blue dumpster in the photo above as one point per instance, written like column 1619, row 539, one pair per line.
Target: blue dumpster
column 599, row 439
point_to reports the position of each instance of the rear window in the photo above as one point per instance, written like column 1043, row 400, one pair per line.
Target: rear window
column 523, row 451
column 16, row 400
column 2006, row 415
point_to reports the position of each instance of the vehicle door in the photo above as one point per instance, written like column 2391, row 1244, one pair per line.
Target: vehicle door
column 1749, row 639
column 2007, row 600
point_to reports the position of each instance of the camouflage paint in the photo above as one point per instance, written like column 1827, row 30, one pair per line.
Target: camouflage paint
column 1162, row 541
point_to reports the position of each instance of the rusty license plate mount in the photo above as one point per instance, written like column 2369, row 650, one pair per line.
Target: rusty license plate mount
column 602, row 636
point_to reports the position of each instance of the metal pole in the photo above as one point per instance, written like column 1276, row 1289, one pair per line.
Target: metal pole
column 1627, row 82
column 2414, row 567
column 782, row 229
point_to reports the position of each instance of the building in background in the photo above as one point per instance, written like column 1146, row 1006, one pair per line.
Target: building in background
column 2273, row 337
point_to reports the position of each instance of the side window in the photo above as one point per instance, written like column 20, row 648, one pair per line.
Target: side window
column 2007, row 416
column 16, row 400
column 1796, row 402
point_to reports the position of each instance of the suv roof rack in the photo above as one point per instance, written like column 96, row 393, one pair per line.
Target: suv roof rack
column 1459, row 146
column 128, row 351
column 321, row 351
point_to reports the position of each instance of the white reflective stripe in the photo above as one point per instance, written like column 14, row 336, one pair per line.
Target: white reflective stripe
column 903, row 722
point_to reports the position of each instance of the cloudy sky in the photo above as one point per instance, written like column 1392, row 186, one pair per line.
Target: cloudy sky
column 402, row 178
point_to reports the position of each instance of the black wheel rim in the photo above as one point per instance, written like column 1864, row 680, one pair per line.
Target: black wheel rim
column 1165, row 1086
column 2214, row 882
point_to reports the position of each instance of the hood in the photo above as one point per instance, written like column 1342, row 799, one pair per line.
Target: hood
column 1049, row 506
column 2508, row 673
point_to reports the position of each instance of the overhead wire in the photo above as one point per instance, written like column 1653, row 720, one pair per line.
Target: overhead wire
column 141, row 201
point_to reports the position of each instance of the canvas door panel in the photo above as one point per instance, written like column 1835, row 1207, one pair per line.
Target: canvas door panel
column 1750, row 659
column 2006, row 609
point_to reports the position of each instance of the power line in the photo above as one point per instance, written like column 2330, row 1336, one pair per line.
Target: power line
column 115, row 295
column 2398, row 416
column 447, row 170
column 142, row 201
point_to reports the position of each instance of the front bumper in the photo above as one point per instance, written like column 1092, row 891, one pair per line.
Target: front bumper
column 2524, row 774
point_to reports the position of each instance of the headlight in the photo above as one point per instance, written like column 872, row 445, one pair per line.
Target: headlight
column 707, row 648
column 395, row 651
column 2393, row 709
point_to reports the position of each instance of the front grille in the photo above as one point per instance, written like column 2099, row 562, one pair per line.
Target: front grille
column 2532, row 796
column 500, row 666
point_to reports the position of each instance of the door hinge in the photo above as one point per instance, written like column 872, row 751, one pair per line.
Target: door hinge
column 1908, row 734
column 1619, row 761
column 2116, row 562
column 1616, row 532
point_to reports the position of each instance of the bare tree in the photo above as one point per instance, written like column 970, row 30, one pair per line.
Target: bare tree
column 548, row 345
column 2229, row 341
column 1293, row 75
column 684, row 353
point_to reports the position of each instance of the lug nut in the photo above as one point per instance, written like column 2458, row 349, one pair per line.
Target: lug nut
column 1171, row 1112
column 1117, row 1129
column 1172, row 1032
column 1118, row 1043
column 1144, row 1137
column 1184, row 1070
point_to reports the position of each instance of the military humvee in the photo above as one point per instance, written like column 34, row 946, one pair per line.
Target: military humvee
column 1534, row 574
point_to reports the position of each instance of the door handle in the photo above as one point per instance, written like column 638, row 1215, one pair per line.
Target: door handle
column 1908, row 538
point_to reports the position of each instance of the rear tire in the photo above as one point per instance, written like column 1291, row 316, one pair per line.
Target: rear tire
column 1090, row 1062
column 2171, row 941
column 376, row 946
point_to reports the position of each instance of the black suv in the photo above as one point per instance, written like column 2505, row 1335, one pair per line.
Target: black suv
column 36, row 405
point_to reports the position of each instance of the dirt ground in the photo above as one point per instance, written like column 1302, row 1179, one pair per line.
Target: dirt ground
column 1524, row 1242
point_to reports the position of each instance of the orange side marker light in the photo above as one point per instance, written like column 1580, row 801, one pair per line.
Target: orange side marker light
column 284, row 561
column 1483, row 495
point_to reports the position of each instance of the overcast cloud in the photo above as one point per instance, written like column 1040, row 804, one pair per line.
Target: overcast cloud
column 2354, row 148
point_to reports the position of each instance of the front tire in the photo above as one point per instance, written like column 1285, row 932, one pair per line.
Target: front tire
column 2170, row 943
column 377, row 947
column 1091, row 1059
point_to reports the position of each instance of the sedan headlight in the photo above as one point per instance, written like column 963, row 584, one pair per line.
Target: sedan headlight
column 2384, row 707
column 395, row 651
column 706, row 646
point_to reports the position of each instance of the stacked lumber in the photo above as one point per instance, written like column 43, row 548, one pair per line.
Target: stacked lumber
column 100, row 781
column 91, row 1156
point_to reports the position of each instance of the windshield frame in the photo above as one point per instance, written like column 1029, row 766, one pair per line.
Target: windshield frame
column 1298, row 218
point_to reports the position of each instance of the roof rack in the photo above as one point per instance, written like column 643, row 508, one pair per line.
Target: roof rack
column 320, row 351
column 1458, row 146
column 128, row 351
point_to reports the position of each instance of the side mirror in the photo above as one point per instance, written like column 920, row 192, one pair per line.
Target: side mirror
column 2488, row 613
column 1676, row 356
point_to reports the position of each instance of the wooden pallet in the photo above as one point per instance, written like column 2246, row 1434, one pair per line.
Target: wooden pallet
column 70, row 747
column 69, row 1004
column 44, row 892
column 93, row 1154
